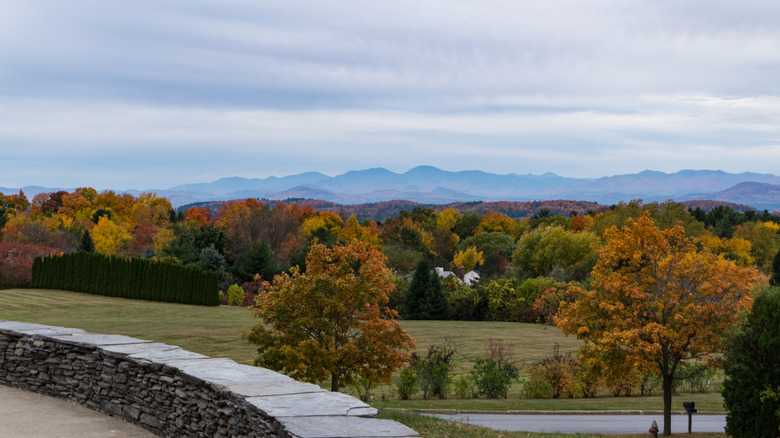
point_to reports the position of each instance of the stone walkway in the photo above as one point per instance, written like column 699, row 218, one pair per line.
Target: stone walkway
column 25, row 414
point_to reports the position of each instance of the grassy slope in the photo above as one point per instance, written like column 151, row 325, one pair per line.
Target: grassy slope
column 214, row 331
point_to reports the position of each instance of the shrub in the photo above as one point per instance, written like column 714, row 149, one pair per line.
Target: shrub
column 464, row 387
column 493, row 378
column 235, row 295
column 493, row 375
column 433, row 371
column 553, row 377
column 695, row 378
column 407, row 385
column 254, row 288
column 537, row 384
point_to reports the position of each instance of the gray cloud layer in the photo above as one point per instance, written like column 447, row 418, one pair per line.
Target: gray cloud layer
column 151, row 94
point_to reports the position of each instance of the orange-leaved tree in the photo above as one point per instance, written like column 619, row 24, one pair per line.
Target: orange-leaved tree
column 656, row 301
column 331, row 321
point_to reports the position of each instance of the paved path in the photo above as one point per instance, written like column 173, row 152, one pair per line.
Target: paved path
column 25, row 414
column 604, row 424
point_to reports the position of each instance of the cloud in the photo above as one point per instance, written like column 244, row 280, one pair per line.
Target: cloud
column 180, row 91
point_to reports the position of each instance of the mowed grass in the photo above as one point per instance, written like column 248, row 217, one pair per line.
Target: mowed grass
column 215, row 332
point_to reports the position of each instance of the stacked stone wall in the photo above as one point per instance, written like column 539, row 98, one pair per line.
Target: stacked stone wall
column 174, row 392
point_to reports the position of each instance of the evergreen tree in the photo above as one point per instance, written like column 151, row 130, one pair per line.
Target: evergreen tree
column 87, row 244
column 425, row 298
column 257, row 260
column 775, row 280
column 752, row 369
column 437, row 305
column 415, row 296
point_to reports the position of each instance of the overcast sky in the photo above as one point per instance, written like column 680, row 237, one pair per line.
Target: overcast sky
column 151, row 93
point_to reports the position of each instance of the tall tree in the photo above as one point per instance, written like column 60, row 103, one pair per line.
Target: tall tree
column 257, row 260
column 753, row 366
column 86, row 242
column 425, row 298
column 331, row 321
column 656, row 302
column 775, row 279
column 109, row 238
column 545, row 249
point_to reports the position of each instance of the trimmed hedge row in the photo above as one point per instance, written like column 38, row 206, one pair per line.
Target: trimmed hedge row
column 127, row 278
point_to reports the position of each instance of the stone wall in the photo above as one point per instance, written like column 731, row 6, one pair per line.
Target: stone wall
column 174, row 392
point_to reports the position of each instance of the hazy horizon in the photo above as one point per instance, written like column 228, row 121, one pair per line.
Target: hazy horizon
column 150, row 95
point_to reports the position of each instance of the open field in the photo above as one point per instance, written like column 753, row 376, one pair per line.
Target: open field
column 214, row 331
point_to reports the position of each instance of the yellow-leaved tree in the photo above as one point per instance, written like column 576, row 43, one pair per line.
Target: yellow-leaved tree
column 656, row 302
column 109, row 237
column 331, row 321
column 467, row 259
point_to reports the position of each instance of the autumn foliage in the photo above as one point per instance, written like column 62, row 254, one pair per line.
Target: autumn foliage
column 656, row 302
column 330, row 322
column 16, row 260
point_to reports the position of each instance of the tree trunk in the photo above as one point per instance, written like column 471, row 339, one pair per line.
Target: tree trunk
column 334, row 383
column 668, row 379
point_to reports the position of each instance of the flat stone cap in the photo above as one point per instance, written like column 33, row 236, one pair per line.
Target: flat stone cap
column 96, row 339
column 317, row 404
column 29, row 328
column 345, row 427
column 153, row 352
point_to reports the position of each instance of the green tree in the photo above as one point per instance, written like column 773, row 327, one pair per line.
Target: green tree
column 332, row 321
column 86, row 242
column 752, row 366
column 258, row 260
column 425, row 298
column 775, row 280
column 497, row 249
column 466, row 224
column 554, row 251
column 191, row 238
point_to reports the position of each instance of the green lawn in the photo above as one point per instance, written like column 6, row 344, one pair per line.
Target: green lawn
column 214, row 331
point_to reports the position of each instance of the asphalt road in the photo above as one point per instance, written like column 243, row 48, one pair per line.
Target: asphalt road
column 603, row 424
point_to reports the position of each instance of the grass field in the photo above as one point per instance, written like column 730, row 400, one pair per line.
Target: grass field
column 214, row 331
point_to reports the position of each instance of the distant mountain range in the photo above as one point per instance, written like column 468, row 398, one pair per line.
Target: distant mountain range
column 430, row 185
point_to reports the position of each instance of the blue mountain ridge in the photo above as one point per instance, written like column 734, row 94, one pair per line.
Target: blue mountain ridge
column 428, row 184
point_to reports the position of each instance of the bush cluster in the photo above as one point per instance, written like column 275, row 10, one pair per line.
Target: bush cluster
column 127, row 278
column 563, row 376
column 535, row 300
column 491, row 376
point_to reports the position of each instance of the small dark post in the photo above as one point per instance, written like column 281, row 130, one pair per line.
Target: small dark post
column 690, row 407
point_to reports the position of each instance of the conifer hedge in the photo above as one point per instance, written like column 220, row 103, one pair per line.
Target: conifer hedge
column 126, row 278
